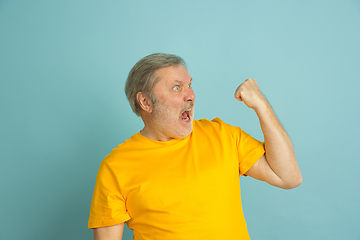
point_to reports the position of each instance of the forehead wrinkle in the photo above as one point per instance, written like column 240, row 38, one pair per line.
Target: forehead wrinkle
column 180, row 81
column 170, row 77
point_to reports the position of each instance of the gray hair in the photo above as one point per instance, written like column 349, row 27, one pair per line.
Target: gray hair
column 141, row 77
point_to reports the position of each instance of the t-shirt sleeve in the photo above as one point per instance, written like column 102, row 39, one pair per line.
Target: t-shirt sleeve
column 249, row 149
column 108, row 205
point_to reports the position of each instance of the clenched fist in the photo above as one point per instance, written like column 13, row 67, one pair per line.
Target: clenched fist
column 249, row 93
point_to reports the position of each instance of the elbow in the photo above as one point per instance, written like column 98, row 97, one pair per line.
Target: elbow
column 294, row 183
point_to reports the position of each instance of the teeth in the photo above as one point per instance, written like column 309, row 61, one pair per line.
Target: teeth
column 188, row 111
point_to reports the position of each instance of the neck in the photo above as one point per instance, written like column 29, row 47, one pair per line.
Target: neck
column 146, row 132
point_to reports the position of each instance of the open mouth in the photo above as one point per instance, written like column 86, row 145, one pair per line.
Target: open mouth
column 185, row 116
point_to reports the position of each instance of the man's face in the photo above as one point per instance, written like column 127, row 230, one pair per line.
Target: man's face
column 173, row 112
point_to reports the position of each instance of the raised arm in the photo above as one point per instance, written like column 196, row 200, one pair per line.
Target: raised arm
column 109, row 233
column 278, row 166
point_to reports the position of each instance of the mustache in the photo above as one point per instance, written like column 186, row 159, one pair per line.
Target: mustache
column 187, row 107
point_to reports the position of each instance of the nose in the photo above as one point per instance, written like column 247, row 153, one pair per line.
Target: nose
column 190, row 95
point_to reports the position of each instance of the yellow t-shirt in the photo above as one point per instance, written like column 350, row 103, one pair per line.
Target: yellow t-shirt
column 179, row 189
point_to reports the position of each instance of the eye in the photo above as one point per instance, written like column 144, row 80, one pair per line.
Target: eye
column 189, row 86
column 176, row 88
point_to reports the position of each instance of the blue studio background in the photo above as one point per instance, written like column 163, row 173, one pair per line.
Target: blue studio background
column 63, row 66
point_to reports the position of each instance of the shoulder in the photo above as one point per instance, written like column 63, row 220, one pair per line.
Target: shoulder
column 212, row 127
column 122, row 150
column 218, row 127
column 216, row 124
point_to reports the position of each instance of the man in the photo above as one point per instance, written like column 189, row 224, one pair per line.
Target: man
column 178, row 178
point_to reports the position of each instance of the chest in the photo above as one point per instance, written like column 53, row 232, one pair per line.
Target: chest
column 187, row 180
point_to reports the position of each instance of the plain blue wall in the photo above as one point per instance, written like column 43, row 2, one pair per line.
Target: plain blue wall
column 63, row 65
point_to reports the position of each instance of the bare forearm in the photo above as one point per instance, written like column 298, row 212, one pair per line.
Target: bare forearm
column 279, row 166
column 279, row 150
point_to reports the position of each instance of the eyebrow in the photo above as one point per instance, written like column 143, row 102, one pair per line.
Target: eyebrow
column 178, row 81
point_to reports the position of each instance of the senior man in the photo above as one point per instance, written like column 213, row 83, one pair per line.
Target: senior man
column 178, row 178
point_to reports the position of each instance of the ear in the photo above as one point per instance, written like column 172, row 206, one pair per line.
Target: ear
column 144, row 102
